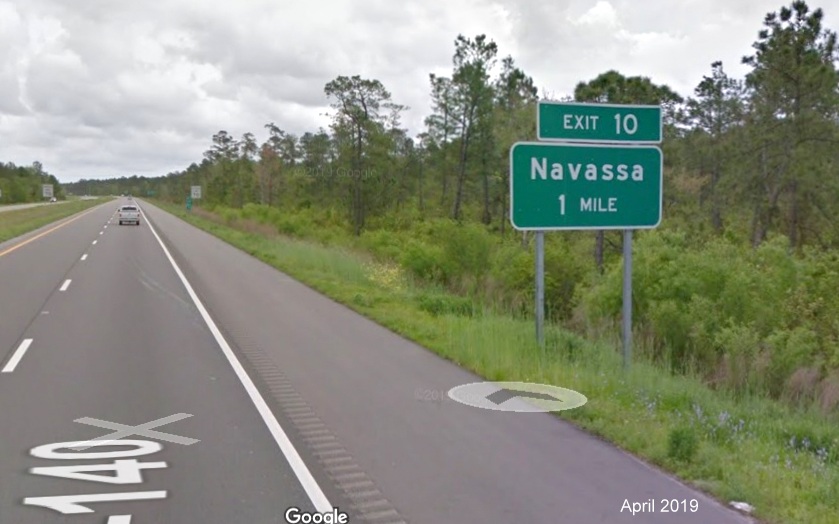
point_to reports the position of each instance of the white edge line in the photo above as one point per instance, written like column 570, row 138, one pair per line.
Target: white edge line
column 13, row 362
column 299, row 467
column 65, row 285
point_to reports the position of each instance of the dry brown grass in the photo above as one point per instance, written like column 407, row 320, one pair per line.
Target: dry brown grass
column 717, row 378
column 258, row 228
column 827, row 394
column 801, row 385
column 206, row 215
column 246, row 226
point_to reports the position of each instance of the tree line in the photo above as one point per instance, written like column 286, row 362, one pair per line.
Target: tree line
column 756, row 155
column 19, row 184
column 737, row 284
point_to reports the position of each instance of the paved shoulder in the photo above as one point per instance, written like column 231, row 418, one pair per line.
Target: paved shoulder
column 380, row 403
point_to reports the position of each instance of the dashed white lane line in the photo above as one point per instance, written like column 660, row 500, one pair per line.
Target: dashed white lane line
column 119, row 519
column 18, row 354
column 101, row 232
column 47, row 232
column 84, row 257
column 310, row 485
column 65, row 285
column 94, row 242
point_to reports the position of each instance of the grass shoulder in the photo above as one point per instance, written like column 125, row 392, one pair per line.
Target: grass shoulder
column 21, row 221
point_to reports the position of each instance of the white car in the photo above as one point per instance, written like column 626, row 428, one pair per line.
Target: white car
column 128, row 215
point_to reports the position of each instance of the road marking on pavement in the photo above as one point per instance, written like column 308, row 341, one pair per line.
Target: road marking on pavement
column 94, row 242
column 101, row 232
column 119, row 519
column 521, row 397
column 70, row 504
column 18, row 354
column 332, row 456
column 65, row 285
column 142, row 429
column 310, row 485
column 84, row 257
column 48, row 231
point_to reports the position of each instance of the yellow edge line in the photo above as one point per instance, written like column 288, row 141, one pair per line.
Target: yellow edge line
column 47, row 232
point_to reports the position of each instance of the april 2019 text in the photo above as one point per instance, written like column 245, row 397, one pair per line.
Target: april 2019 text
column 660, row 506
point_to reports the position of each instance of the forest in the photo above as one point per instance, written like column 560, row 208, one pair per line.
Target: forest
column 738, row 285
column 20, row 184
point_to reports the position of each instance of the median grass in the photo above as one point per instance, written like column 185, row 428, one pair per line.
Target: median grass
column 20, row 221
column 783, row 461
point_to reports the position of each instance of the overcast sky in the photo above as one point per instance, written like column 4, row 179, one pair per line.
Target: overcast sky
column 101, row 88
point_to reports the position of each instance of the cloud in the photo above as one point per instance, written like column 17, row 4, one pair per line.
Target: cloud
column 106, row 87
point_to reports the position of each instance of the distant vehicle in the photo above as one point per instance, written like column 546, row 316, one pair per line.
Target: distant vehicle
column 129, row 215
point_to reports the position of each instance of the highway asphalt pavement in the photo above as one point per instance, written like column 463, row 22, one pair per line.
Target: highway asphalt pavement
column 223, row 391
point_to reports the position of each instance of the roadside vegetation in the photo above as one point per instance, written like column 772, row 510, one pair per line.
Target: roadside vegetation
column 22, row 184
column 782, row 459
column 735, row 379
column 19, row 221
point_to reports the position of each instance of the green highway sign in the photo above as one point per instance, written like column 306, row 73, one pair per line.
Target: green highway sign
column 557, row 186
column 579, row 122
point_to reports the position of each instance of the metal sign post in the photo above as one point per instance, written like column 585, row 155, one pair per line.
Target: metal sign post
column 595, row 167
column 540, row 287
column 627, row 297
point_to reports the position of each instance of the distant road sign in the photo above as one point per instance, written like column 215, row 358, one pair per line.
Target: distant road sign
column 196, row 192
column 46, row 190
column 571, row 186
column 579, row 122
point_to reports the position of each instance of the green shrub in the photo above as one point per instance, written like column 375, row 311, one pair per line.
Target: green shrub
column 425, row 262
column 439, row 305
column 514, row 269
column 229, row 215
column 682, row 444
column 741, row 344
column 790, row 350
column 384, row 245
column 695, row 302
column 466, row 247
column 360, row 299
